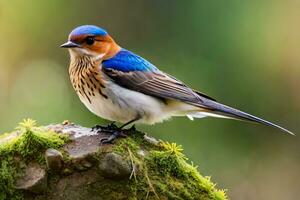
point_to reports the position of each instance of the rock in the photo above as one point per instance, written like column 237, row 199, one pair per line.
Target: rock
column 114, row 166
column 80, row 164
column 84, row 142
column 34, row 179
column 89, row 170
column 54, row 159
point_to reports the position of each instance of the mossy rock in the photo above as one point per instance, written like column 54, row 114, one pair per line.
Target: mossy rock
column 73, row 165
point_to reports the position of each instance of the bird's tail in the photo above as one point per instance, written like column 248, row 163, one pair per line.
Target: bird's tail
column 216, row 109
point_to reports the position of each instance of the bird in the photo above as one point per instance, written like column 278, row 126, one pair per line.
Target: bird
column 121, row 86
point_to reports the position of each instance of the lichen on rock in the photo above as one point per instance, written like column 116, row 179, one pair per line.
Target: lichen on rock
column 71, row 164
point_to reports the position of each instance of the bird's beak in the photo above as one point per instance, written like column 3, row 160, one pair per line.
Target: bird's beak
column 70, row 44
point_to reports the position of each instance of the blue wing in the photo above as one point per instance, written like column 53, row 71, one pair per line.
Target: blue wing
column 127, row 61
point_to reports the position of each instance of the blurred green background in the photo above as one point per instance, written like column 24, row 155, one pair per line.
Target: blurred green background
column 243, row 53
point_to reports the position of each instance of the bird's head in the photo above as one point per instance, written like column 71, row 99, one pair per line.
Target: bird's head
column 91, row 41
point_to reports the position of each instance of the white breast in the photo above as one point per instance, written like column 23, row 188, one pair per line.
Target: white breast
column 123, row 105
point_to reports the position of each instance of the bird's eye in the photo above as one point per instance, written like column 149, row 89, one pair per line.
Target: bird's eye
column 89, row 40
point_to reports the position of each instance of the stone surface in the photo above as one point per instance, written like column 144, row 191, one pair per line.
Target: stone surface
column 54, row 159
column 34, row 179
column 84, row 141
column 114, row 166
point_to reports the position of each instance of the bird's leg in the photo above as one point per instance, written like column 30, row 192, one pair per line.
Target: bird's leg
column 117, row 133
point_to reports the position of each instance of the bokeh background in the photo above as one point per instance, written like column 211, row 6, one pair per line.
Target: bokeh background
column 243, row 53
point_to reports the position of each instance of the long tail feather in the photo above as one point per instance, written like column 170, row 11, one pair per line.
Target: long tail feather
column 220, row 110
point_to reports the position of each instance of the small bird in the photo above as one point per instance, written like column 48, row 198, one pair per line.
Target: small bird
column 118, row 85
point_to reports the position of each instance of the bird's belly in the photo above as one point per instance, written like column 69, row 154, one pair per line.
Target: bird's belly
column 106, row 109
column 123, row 105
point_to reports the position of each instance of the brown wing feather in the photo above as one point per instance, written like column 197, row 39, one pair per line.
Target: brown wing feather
column 156, row 84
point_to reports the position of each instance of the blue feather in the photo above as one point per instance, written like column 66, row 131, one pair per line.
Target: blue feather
column 127, row 61
column 88, row 29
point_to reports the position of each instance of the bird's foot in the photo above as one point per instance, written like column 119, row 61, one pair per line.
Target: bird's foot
column 114, row 135
column 109, row 128
column 114, row 132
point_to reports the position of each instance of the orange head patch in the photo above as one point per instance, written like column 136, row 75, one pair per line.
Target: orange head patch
column 92, row 40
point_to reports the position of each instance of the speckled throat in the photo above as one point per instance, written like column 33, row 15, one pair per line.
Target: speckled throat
column 86, row 78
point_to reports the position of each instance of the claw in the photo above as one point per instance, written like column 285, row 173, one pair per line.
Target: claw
column 113, row 130
column 110, row 139
column 114, row 135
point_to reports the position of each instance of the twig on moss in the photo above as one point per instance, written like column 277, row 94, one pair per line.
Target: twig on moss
column 132, row 164
column 150, row 185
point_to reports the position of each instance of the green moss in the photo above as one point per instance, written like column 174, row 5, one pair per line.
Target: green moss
column 27, row 143
column 165, row 173
column 122, row 146
column 184, row 179
column 134, row 141
column 7, row 177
